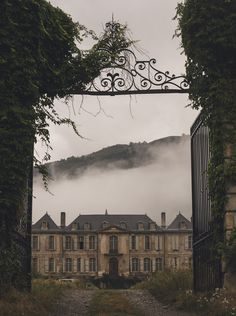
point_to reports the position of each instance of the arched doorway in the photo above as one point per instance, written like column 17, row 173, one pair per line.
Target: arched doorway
column 113, row 266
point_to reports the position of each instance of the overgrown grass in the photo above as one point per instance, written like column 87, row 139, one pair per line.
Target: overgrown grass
column 38, row 303
column 175, row 288
column 111, row 303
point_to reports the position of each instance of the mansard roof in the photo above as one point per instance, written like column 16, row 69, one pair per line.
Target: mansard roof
column 100, row 221
column 51, row 225
column 180, row 223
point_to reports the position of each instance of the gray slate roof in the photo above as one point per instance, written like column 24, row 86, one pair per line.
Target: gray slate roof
column 96, row 221
column 46, row 218
column 180, row 222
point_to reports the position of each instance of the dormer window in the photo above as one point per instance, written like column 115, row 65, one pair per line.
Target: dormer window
column 182, row 225
column 140, row 226
column 87, row 226
column 105, row 224
column 44, row 225
column 152, row 226
column 123, row 225
column 74, row 226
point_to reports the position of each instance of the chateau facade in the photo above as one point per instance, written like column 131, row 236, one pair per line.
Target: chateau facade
column 125, row 245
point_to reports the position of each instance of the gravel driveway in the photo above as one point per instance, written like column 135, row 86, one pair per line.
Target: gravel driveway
column 76, row 303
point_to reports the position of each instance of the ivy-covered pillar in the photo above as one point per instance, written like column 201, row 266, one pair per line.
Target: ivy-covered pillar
column 229, row 258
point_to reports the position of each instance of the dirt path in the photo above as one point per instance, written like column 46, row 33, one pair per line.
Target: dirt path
column 76, row 303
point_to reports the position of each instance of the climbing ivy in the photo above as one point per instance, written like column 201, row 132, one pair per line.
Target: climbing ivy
column 208, row 32
column 39, row 62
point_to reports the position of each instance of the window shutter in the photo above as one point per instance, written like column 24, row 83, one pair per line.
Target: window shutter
column 161, row 242
column 153, row 264
column 64, row 243
column 46, row 262
column 86, row 261
column 74, row 265
column 170, row 243
column 63, row 265
column 157, row 242
column 82, row 264
column 177, row 242
column 136, row 243
column 186, row 242
column 72, row 243
column 86, row 242
column 141, row 265
column 47, row 243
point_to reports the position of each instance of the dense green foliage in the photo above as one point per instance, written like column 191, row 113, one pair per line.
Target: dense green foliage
column 208, row 31
column 39, row 61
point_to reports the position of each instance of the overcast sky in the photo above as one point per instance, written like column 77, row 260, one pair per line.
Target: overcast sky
column 153, row 116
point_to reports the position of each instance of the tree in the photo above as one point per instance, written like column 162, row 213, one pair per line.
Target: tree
column 39, row 61
column 208, row 32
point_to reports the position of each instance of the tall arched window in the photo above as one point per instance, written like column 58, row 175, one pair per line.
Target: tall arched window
column 147, row 265
column 113, row 243
column 135, row 265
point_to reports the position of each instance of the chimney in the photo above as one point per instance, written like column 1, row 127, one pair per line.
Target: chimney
column 163, row 220
column 63, row 219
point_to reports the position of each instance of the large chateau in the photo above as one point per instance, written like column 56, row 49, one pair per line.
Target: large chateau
column 124, row 245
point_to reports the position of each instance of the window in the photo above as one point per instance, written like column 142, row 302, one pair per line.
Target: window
column 35, row 265
column 35, row 245
column 190, row 263
column 147, row 265
column 140, row 226
column 92, row 264
column 133, row 242
column 182, row 225
column 105, row 224
column 51, row 243
column 68, row 243
column 51, row 265
column 87, row 226
column 158, row 243
column 113, row 243
column 147, row 243
column 123, row 225
column 68, row 267
column 152, row 226
column 74, row 226
column 81, row 242
column 159, row 264
column 91, row 242
column 175, row 243
column 44, row 225
column 135, row 265
column 79, row 264
column 189, row 242
column 175, row 265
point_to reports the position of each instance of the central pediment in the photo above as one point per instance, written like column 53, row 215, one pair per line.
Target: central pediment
column 113, row 229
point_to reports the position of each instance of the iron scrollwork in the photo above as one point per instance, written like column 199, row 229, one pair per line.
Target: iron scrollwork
column 122, row 73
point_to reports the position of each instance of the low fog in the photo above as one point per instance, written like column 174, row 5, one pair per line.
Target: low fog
column 163, row 185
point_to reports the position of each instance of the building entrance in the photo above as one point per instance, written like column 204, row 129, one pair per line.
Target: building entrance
column 113, row 267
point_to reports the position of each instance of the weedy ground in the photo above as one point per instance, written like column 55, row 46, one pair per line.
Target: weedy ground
column 175, row 288
column 111, row 303
column 40, row 302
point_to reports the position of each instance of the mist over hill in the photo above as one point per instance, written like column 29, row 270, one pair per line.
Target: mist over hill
column 135, row 178
column 133, row 155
